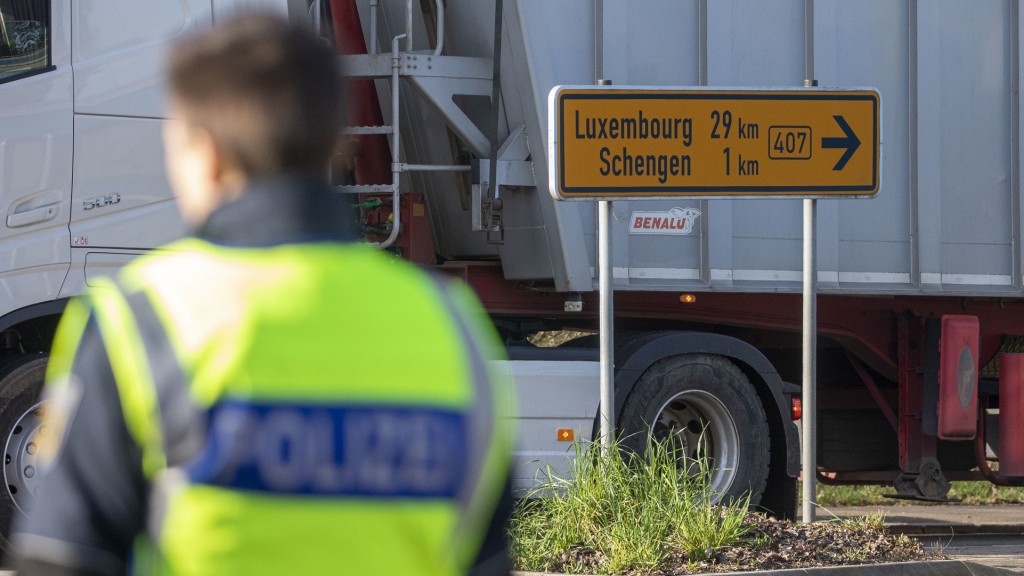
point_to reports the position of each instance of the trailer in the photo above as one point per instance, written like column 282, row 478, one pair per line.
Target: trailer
column 919, row 286
column 920, row 315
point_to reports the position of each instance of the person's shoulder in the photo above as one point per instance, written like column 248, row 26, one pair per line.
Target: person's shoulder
column 372, row 260
column 184, row 249
column 181, row 260
column 381, row 270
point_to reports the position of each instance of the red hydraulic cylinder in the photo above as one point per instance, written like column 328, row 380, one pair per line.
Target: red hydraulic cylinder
column 1011, row 415
column 373, row 164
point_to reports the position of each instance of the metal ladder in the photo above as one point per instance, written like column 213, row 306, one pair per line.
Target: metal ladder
column 438, row 78
column 436, row 71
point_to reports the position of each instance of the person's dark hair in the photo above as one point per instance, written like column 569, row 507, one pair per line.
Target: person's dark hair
column 268, row 93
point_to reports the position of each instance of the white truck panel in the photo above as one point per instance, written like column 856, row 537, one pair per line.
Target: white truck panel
column 35, row 176
column 119, row 50
column 27, row 286
column 135, row 210
column 119, row 98
column 551, row 395
column 947, row 218
column 225, row 8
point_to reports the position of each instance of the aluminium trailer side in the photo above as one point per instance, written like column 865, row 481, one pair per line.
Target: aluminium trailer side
column 947, row 217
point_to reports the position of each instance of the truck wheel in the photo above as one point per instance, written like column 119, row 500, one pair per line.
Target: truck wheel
column 20, row 386
column 703, row 399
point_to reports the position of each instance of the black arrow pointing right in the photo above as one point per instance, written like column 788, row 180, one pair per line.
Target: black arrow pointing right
column 850, row 142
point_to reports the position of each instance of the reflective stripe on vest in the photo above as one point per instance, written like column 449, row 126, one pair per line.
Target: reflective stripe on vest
column 132, row 373
column 307, row 467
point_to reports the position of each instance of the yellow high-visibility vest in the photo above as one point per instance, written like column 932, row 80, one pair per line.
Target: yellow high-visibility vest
column 310, row 408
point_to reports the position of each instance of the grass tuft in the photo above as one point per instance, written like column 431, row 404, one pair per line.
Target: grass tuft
column 620, row 512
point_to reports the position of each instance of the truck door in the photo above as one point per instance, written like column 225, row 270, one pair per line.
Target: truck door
column 35, row 150
column 122, row 203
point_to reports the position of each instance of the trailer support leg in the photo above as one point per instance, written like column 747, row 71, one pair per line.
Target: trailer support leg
column 921, row 477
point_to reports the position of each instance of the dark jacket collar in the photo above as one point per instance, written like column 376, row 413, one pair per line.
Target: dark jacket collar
column 282, row 210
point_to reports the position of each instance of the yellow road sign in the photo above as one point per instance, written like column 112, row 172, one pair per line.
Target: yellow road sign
column 620, row 142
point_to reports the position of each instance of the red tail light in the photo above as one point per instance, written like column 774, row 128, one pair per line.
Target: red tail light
column 797, row 408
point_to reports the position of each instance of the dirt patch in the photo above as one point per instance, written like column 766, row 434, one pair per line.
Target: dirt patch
column 774, row 544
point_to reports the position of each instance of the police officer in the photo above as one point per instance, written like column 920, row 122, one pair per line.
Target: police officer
column 268, row 396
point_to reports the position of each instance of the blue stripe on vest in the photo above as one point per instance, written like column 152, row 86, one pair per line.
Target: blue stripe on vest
column 352, row 450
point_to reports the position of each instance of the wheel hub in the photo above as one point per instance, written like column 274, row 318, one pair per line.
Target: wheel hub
column 21, row 457
column 702, row 428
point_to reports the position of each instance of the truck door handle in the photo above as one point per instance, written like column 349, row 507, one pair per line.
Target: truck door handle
column 33, row 216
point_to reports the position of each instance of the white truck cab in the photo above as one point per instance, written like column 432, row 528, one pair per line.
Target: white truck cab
column 82, row 90
column 82, row 182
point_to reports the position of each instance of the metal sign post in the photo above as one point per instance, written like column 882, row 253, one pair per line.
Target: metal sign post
column 810, row 362
column 607, row 323
column 607, row 315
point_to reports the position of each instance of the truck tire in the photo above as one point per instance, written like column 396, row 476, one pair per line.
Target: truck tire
column 21, row 383
column 695, row 394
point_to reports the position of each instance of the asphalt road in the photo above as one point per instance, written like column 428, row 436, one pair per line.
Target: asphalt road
column 991, row 550
column 989, row 535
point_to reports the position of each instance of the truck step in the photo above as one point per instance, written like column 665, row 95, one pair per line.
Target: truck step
column 364, row 189
column 359, row 130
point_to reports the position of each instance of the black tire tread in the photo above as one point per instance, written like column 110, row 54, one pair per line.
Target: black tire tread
column 728, row 383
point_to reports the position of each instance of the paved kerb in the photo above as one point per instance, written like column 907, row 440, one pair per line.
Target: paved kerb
column 931, row 568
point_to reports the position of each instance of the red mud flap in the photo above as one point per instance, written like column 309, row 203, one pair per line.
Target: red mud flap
column 1011, row 415
column 958, row 378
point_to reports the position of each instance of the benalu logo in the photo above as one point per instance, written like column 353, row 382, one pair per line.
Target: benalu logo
column 677, row 221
